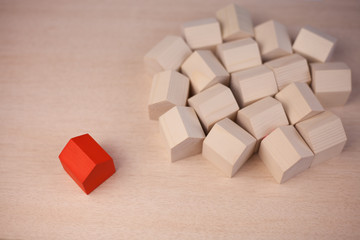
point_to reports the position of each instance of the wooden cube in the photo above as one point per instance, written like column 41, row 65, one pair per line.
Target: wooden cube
column 228, row 146
column 202, row 34
column 253, row 84
column 239, row 54
column 288, row 69
column 299, row 102
column 314, row 44
column 325, row 135
column 273, row 40
column 235, row 22
column 169, row 89
column 331, row 83
column 285, row 153
column 213, row 105
column 168, row 54
column 262, row 117
column 86, row 162
column 182, row 131
column 204, row 71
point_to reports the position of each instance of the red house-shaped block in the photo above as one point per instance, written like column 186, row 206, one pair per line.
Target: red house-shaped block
column 86, row 162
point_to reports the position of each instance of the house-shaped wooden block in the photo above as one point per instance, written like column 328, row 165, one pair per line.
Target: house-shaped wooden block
column 169, row 89
column 299, row 102
column 239, row 54
column 228, row 146
column 262, row 117
column 325, row 135
column 273, row 40
column 86, row 162
column 213, row 105
column 288, row 69
column 204, row 71
column 202, row 33
column 314, row 44
column 235, row 22
column 331, row 83
column 182, row 131
column 285, row 153
column 168, row 54
column 253, row 84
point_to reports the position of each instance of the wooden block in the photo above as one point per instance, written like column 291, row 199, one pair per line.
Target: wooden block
column 235, row 22
column 228, row 146
column 86, row 162
column 168, row 54
column 299, row 102
column 331, row 83
column 202, row 34
column 213, row 105
column 169, row 89
column 285, row 153
column 262, row 117
column 182, row 131
column 204, row 71
column 324, row 134
column 273, row 40
column 240, row 54
column 288, row 69
column 253, row 84
column 314, row 44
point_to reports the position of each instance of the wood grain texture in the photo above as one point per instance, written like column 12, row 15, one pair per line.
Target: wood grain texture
column 288, row 69
column 71, row 67
column 324, row 134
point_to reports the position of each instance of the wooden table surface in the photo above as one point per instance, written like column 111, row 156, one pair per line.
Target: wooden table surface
column 74, row 67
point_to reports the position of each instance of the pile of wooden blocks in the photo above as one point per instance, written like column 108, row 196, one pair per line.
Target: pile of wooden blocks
column 228, row 90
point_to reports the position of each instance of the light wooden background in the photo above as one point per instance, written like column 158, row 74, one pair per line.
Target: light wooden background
column 72, row 67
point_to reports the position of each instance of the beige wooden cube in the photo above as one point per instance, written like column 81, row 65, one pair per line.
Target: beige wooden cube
column 202, row 34
column 169, row 89
column 262, row 117
column 228, row 146
column 285, row 153
column 239, row 54
column 331, row 83
column 213, row 105
column 299, row 102
column 273, row 40
column 325, row 135
column 182, row 131
column 235, row 22
column 168, row 54
column 314, row 44
column 288, row 69
column 253, row 84
column 204, row 71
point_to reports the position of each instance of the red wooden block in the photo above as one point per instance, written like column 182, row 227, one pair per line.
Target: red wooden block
column 86, row 162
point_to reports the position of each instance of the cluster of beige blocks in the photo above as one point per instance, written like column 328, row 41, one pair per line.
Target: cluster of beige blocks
column 228, row 90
